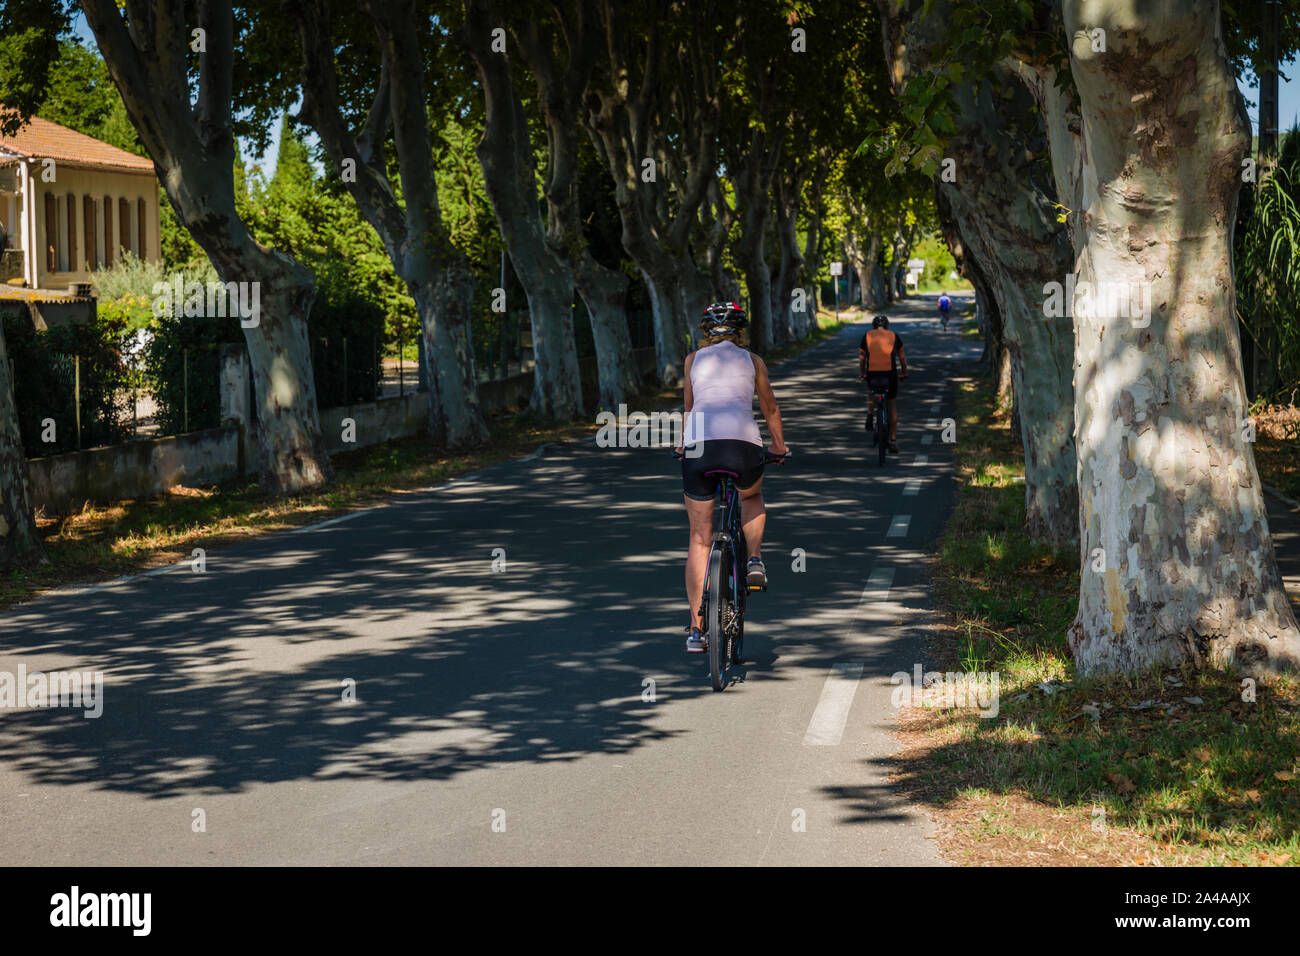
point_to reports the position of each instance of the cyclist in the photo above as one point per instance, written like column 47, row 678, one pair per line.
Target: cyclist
column 945, row 306
column 722, row 379
column 879, row 357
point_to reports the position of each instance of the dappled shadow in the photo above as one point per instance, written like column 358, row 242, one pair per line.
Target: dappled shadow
column 220, row 680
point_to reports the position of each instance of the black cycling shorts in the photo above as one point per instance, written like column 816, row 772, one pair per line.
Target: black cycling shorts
column 880, row 381
column 726, row 454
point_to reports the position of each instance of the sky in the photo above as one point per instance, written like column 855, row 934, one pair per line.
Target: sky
column 1288, row 104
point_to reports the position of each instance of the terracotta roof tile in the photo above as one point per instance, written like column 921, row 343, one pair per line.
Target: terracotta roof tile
column 41, row 139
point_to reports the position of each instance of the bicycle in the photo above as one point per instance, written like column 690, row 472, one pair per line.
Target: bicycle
column 722, row 608
column 879, row 429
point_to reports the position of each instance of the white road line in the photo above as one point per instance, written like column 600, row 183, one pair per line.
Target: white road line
column 913, row 487
column 927, row 439
column 921, row 460
column 878, row 585
column 332, row 521
column 826, row 729
column 898, row 527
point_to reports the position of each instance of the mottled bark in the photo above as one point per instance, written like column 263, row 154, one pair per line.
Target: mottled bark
column 19, row 541
column 649, row 92
column 505, row 153
column 561, row 62
column 1178, row 563
column 862, row 249
column 437, row 275
column 193, row 150
column 753, row 183
column 786, row 325
column 1004, row 192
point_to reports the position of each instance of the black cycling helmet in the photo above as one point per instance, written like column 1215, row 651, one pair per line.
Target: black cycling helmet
column 723, row 318
column 880, row 322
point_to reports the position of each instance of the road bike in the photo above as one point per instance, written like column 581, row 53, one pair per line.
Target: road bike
column 726, row 585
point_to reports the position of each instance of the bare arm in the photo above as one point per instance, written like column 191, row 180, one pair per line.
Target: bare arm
column 688, row 397
column 767, row 402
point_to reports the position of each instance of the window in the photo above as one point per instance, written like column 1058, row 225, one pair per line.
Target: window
column 51, row 233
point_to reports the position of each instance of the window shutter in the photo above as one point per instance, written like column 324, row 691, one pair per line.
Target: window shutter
column 108, row 231
column 88, row 215
column 72, row 233
column 144, row 232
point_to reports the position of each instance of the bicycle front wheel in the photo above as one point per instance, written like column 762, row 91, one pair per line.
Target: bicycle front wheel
column 714, row 621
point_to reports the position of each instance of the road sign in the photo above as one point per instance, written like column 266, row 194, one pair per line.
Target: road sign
column 916, row 265
column 837, row 268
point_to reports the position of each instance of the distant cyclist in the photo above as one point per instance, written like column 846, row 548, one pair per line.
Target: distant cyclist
column 722, row 379
column 945, row 306
column 880, row 356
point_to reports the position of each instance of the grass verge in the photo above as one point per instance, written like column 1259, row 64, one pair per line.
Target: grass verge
column 1165, row 767
column 104, row 541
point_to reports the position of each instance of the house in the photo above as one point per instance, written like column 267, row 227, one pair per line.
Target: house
column 71, row 203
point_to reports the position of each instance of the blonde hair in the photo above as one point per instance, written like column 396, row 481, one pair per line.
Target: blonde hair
column 739, row 337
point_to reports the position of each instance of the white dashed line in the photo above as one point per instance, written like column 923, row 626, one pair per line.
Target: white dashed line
column 913, row 487
column 927, row 439
column 826, row 729
column 898, row 527
column 921, row 460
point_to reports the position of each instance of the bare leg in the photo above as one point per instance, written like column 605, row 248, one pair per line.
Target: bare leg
column 700, row 514
column 753, row 518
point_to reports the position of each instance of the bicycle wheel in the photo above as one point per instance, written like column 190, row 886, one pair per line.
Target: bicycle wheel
column 882, row 438
column 717, row 638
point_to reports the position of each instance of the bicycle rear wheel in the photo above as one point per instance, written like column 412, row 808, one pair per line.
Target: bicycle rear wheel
column 882, row 438
column 714, row 621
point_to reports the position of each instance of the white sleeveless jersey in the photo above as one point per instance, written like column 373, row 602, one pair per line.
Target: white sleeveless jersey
column 722, row 384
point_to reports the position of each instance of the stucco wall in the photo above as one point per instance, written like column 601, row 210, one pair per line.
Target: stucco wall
column 95, row 183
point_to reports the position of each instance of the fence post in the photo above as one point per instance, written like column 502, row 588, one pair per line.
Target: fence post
column 76, row 391
column 185, row 388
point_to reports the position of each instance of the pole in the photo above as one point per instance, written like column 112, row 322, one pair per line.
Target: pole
column 185, row 388
column 76, row 400
column 346, row 398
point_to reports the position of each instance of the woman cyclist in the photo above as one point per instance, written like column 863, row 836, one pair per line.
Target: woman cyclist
column 722, row 378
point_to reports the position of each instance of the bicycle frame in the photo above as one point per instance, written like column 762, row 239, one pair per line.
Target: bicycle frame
column 729, row 535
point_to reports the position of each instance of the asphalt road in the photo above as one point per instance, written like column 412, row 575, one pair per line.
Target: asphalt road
column 504, row 716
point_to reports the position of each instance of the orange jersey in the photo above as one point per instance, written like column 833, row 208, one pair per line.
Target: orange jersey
column 880, row 346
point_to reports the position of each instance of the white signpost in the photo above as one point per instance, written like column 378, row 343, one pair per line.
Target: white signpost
column 837, row 270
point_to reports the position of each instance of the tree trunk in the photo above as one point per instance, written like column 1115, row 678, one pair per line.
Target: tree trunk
column 605, row 291
column 193, row 150
column 671, row 339
column 510, row 177
column 1178, row 563
column 1004, row 194
column 785, row 325
column 865, row 262
column 19, row 540
column 435, row 273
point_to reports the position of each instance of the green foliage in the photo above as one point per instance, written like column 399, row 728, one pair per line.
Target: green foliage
column 346, row 339
column 182, row 361
column 1266, row 266
column 45, row 378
